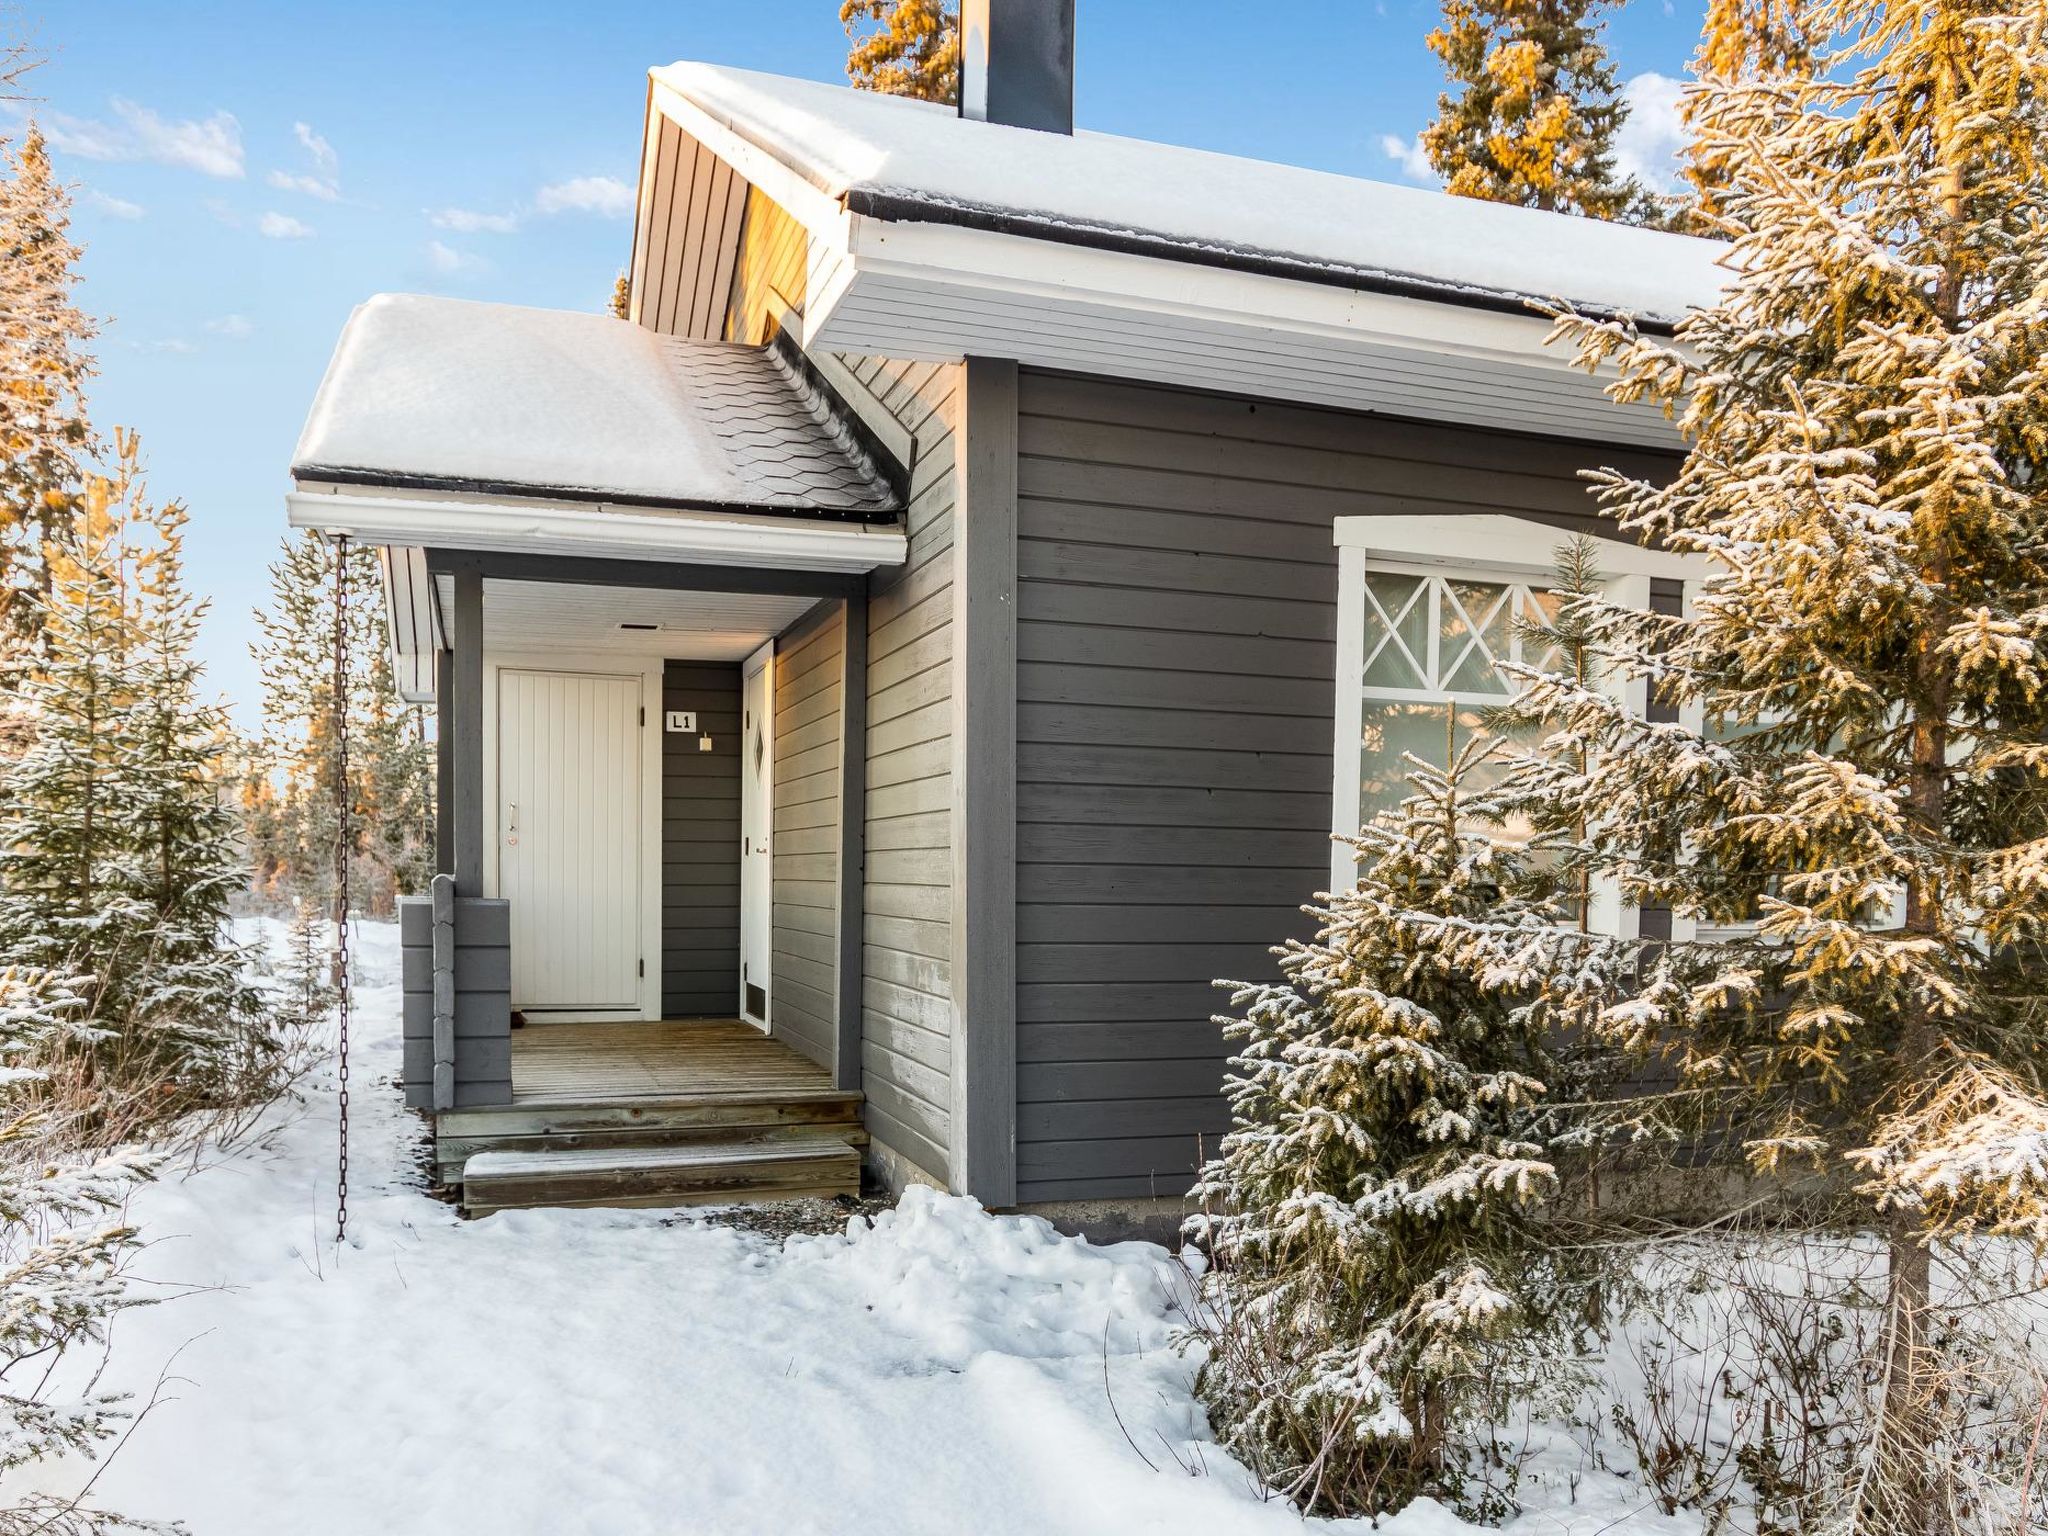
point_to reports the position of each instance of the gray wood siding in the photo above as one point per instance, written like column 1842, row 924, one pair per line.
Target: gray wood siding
column 1176, row 655
column 700, row 843
column 906, row 998
column 809, row 712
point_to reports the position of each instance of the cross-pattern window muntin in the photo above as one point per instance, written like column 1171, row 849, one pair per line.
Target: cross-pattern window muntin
column 1433, row 645
column 1438, row 636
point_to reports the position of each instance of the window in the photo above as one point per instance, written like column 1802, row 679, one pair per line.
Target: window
column 1429, row 611
column 1433, row 648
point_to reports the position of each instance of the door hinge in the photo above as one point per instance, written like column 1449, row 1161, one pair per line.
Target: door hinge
column 643, row 967
column 643, row 715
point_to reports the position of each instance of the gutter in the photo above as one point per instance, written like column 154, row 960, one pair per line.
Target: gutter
column 775, row 543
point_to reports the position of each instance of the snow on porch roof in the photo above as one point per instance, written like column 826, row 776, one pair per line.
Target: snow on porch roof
column 448, row 394
column 895, row 158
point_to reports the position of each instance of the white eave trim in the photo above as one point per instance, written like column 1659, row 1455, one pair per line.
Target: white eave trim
column 1054, row 272
column 601, row 530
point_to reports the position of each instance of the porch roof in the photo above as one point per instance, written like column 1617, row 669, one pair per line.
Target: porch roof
column 438, row 395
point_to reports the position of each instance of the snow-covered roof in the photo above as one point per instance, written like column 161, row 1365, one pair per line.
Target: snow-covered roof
column 447, row 394
column 891, row 157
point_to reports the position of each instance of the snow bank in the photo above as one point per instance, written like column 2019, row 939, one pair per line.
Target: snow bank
column 845, row 139
column 940, row 1371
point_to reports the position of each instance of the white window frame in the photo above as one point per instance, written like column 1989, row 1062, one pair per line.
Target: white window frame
column 1480, row 547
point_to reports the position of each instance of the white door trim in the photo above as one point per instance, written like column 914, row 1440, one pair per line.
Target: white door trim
column 649, row 670
column 757, row 906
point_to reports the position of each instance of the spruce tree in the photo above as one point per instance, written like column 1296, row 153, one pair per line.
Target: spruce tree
column 189, row 863
column 67, row 902
column 1867, row 785
column 1534, row 109
column 120, row 853
column 1382, row 1279
column 1743, row 40
column 911, row 49
column 45, row 437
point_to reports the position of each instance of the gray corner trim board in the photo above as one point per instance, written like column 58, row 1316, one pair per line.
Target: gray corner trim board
column 984, row 1078
column 853, row 794
column 466, row 722
column 442, row 900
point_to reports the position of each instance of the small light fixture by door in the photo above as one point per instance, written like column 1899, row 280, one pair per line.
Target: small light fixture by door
column 703, row 743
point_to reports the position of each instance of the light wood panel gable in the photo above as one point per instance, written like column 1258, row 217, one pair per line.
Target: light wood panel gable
column 686, row 234
column 769, row 276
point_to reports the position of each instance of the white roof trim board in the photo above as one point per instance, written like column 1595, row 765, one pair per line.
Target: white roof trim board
column 934, row 237
column 600, row 530
column 432, row 394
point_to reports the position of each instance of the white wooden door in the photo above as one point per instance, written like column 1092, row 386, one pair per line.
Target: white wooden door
column 569, row 837
column 757, row 822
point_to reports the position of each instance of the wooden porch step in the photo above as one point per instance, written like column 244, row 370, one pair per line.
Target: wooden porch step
column 460, row 1134
column 700, row 1173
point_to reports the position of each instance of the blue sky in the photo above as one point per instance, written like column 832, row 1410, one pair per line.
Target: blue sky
column 246, row 173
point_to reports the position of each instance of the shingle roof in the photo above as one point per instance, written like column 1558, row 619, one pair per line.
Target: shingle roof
column 449, row 394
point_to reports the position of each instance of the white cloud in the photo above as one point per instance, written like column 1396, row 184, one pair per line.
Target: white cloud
column 325, row 160
column 212, row 146
column 176, row 344
column 605, row 195
column 1410, row 156
column 466, row 221
column 1652, row 139
column 282, row 226
column 324, row 181
column 234, row 326
column 445, row 258
column 312, row 186
column 112, row 206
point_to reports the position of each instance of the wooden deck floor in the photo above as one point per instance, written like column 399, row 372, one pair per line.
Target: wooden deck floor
column 673, row 1061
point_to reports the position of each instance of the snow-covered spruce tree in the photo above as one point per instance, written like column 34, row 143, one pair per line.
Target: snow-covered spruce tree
column 1868, row 480
column 1381, row 1280
column 1534, row 108
column 199, row 1006
column 45, row 437
column 912, row 47
column 67, row 887
column 1741, row 40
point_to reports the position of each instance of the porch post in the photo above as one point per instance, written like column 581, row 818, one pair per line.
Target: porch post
column 444, row 763
column 466, row 720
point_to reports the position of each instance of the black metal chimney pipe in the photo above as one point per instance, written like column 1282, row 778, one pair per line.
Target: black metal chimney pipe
column 1017, row 63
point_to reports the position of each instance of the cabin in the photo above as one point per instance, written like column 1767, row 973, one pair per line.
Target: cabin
column 887, row 677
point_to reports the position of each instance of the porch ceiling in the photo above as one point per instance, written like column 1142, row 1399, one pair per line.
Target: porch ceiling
column 691, row 626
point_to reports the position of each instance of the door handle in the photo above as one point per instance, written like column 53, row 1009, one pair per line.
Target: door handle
column 512, row 822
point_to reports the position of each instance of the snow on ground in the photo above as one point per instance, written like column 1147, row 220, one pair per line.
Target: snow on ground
column 623, row 1372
